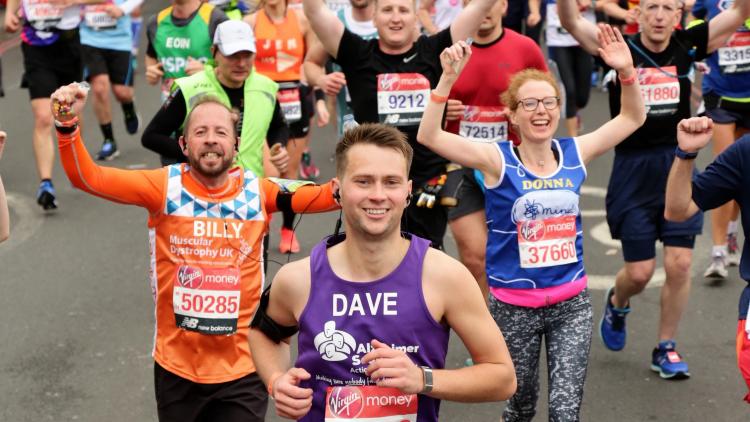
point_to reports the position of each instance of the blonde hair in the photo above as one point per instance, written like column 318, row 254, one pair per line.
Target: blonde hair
column 510, row 96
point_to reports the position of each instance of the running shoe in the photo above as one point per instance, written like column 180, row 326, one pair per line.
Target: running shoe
column 45, row 196
column 733, row 250
column 718, row 267
column 288, row 242
column 668, row 363
column 132, row 122
column 108, row 152
column 308, row 170
column 612, row 325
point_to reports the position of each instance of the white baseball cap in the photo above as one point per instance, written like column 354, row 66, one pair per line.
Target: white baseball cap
column 233, row 36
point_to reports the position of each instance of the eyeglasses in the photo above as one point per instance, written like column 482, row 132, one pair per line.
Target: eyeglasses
column 530, row 104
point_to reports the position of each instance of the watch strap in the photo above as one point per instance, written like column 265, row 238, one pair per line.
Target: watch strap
column 684, row 155
column 427, row 378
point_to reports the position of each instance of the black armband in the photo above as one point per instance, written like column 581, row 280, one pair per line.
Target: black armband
column 267, row 325
column 319, row 94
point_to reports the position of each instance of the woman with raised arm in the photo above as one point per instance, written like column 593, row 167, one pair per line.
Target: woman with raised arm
column 535, row 242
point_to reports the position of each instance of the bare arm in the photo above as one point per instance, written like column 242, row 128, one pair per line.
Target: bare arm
column 458, row 149
column 535, row 13
column 452, row 294
column 4, row 215
column 492, row 377
column 423, row 13
column 615, row 53
column 12, row 22
column 326, row 25
column 467, row 22
column 289, row 292
column 582, row 30
column 723, row 25
column 692, row 135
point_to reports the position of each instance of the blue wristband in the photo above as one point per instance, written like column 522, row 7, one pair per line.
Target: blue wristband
column 684, row 155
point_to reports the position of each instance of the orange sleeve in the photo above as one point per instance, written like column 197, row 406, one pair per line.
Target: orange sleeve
column 306, row 199
column 145, row 188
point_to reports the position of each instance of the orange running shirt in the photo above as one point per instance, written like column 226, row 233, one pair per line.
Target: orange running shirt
column 281, row 47
column 206, row 255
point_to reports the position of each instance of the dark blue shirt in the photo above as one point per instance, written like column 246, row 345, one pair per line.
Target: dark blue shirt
column 728, row 178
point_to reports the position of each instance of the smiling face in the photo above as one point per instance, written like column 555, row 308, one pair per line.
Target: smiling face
column 209, row 140
column 373, row 187
column 540, row 124
column 395, row 21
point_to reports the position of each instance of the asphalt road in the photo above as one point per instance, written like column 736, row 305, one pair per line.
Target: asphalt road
column 77, row 316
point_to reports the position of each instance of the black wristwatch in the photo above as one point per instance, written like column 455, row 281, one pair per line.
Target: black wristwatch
column 683, row 155
column 66, row 128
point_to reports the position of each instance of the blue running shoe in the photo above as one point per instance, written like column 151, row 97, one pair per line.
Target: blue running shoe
column 612, row 325
column 668, row 363
column 132, row 122
column 108, row 152
column 45, row 196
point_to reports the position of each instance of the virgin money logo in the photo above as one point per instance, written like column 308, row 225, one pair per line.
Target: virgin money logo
column 532, row 230
column 471, row 113
column 346, row 402
column 190, row 277
column 388, row 82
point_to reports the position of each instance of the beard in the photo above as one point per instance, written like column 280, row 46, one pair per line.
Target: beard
column 198, row 167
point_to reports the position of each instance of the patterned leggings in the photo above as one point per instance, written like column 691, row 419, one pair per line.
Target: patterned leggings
column 566, row 328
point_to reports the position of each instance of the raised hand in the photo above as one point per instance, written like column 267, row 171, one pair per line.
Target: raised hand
column 614, row 51
column 454, row 58
column 694, row 133
column 68, row 101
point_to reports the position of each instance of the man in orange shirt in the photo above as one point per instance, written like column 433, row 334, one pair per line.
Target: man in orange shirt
column 206, row 223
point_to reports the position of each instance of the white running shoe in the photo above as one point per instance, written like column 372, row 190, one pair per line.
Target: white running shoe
column 718, row 267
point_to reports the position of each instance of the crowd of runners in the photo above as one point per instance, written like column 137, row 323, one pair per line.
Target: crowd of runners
column 445, row 113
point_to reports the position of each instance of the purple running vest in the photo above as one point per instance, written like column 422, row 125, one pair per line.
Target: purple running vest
column 342, row 317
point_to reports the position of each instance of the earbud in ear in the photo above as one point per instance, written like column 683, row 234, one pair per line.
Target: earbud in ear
column 337, row 196
column 408, row 199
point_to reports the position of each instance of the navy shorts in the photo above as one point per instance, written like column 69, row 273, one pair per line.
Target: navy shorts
column 726, row 112
column 635, row 204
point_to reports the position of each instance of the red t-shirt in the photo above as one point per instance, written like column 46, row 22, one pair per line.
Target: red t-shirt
column 485, row 77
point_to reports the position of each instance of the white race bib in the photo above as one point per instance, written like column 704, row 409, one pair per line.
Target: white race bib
column 734, row 57
column 41, row 14
column 97, row 18
column 660, row 92
column 548, row 242
column 291, row 106
column 484, row 124
column 402, row 98
column 207, row 299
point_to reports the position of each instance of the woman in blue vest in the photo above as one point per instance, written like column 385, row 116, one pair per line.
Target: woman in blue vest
column 535, row 243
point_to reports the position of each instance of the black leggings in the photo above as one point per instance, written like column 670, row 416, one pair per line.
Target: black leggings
column 575, row 66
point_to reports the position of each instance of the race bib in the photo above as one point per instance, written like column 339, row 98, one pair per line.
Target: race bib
column 548, row 242
column 207, row 299
column 369, row 403
column 41, row 14
column 402, row 98
column 660, row 92
column 734, row 57
column 97, row 18
column 484, row 124
column 291, row 106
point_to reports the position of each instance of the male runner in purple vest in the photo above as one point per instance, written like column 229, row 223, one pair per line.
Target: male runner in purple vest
column 374, row 307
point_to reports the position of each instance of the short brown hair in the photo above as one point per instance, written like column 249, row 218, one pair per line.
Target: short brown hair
column 199, row 100
column 510, row 96
column 373, row 134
